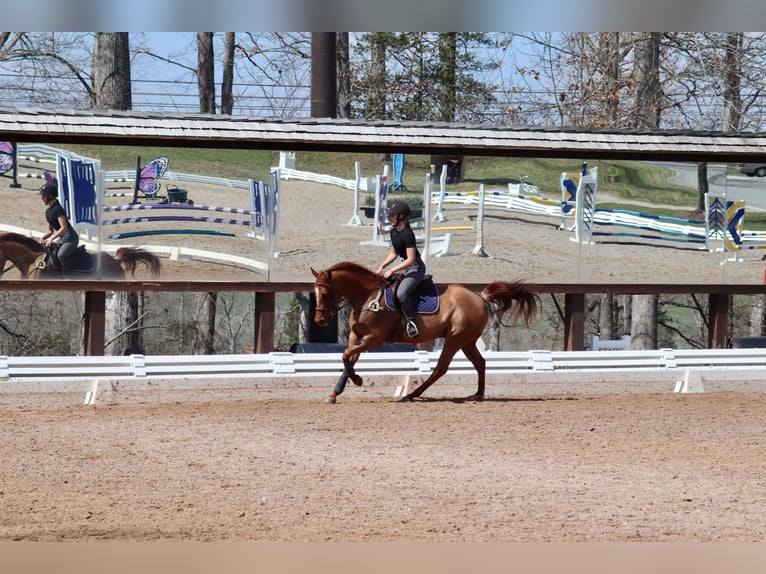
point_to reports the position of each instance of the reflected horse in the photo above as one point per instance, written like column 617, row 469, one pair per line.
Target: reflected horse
column 28, row 256
column 460, row 319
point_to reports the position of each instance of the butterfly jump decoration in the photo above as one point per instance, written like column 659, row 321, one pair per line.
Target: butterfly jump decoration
column 147, row 178
column 6, row 156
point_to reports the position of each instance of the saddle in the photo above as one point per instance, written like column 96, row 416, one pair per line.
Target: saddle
column 81, row 259
column 427, row 294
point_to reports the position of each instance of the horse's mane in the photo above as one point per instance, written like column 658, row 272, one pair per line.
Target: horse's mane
column 22, row 239
column 351, row 267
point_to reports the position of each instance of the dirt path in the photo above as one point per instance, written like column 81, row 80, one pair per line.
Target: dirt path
column 616, row 467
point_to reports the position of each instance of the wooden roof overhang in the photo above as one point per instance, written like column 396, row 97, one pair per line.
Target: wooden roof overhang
column 369, row 136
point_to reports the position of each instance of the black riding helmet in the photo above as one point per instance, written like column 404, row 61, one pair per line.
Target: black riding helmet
column 399, row 207
column 49, row 189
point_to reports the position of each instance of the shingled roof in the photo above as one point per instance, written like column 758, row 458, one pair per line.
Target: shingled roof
column 324, row 134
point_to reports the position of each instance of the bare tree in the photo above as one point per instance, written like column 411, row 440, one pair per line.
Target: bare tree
column 227, row 81
column 376, row 99
column 111, row 71
column 204, row 321
column 206, row 72
column 343, row 65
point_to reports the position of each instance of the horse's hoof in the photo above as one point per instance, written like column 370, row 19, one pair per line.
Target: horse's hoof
column 406, row 399
column 477, row 398
column 357, row 380
column 330, row 400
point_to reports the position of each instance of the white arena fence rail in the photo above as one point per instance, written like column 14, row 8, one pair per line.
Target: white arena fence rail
column 281, row 364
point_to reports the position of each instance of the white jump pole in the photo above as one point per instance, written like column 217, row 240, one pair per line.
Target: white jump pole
column 479, row 247
column 439, row 215
column 427, row 220
column 355, row 219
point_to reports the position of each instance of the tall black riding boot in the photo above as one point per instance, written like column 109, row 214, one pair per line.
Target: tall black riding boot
column 409, row 308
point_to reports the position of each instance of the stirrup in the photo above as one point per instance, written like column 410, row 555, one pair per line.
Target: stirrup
column 412, row 329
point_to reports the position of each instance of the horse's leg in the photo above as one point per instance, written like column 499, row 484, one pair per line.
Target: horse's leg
column 363, row 337
column 448, row 351
column 473, row 354
column 360, row 339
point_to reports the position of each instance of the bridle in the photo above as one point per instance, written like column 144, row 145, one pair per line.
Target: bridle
column 343, row 300
column 331, row 293
column 15, row 266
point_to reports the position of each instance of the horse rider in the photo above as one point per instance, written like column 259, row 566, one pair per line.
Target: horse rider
column 59, row 229
column 410, row 263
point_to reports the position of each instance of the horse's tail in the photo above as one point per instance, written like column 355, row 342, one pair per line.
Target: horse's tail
column 500, row 296
column 130, row 257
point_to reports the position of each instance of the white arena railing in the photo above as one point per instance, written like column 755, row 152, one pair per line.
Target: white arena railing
column 19, row 374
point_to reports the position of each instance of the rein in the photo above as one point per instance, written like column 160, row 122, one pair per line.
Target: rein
column 343, row 299
column 15, row 265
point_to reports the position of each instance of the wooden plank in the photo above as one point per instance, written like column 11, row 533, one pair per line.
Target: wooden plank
column 103, row 127
column 574, row 321
column 95, row 322
column 718, row 333
column 265, row 312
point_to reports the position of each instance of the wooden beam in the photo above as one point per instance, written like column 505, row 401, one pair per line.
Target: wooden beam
column 718, row 333
column 94, row 323
column 574, row 321
column 265, row 306
column 305, row 287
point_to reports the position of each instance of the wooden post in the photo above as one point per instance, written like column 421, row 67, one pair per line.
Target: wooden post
column 574, row 321
column 94, row 323
column 718, row 332
column 265, row 305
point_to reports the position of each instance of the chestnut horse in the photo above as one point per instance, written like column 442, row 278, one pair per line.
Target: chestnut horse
column 26, row 255
column 460, row 319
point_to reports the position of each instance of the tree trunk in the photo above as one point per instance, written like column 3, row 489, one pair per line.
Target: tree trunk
column 206, row 72
column 606, row 324
column 121, row 323
column 304, row 318
column 643, row 330
column 447, row 77
column 111, row 71
column 343, row 329
column 732, row 97
column 757, row 315
column 204, row 323
column 493, row 333
column 376, row 99
column 227, row 83
column 627, row 319
column 609, row 57
column 343, row 66
column 648, row 88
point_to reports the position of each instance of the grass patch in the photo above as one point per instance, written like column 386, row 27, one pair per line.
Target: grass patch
column 227, row 163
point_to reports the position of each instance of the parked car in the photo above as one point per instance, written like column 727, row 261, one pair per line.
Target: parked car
column 751, row 169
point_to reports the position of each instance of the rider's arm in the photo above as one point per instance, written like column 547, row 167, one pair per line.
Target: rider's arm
column 387, row 261
column 48, row 233
column 63, row 228
column 407, row 263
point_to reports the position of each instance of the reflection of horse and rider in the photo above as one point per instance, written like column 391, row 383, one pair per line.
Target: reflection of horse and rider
column 59, row 253
column 60, row 231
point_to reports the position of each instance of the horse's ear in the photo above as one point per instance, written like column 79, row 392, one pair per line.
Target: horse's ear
column 315, row 273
